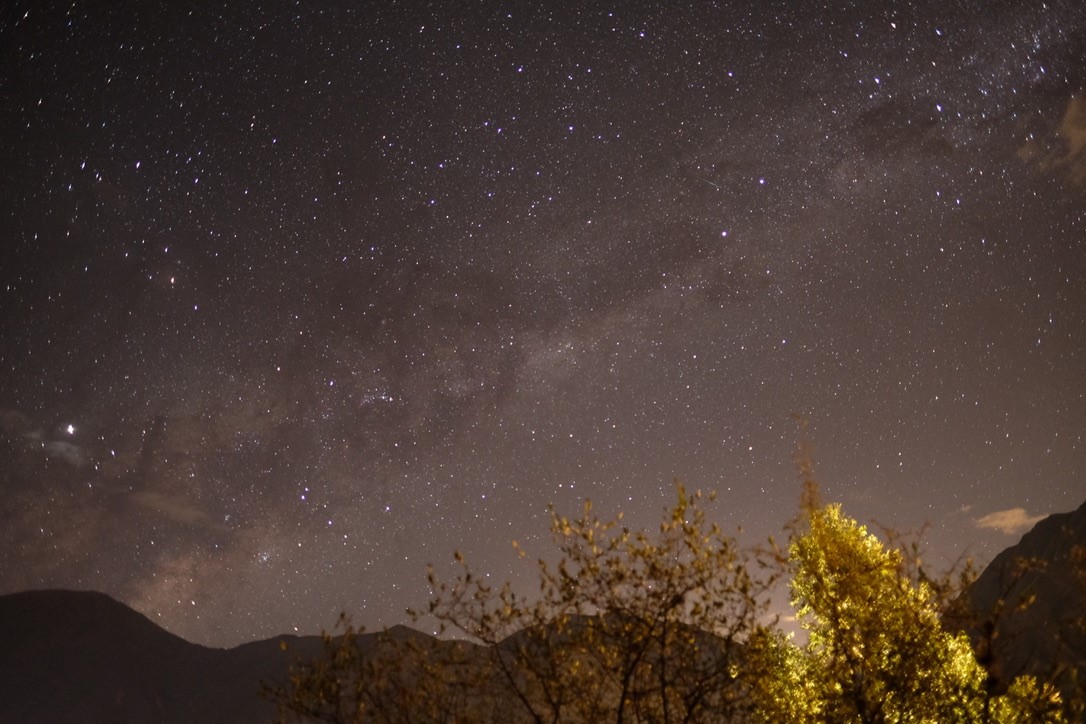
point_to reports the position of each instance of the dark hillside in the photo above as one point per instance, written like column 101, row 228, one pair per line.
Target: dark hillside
column 76, row 656
column 1027, row 610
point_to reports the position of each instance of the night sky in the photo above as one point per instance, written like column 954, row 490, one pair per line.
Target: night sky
column 296, row 298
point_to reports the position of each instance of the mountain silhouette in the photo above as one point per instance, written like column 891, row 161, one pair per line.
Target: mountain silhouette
column 79, row 656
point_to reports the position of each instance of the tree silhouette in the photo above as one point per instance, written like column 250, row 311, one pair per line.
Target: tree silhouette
column 627, row 626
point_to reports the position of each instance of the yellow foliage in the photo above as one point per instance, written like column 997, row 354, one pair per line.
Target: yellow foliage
column 877, row 650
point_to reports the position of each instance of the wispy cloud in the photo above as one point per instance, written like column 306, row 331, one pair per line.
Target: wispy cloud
column 1014, row 520
column 179, row 509
column 1073, row 134
column 13, row 421
column 70, row 453
column 1063, row 149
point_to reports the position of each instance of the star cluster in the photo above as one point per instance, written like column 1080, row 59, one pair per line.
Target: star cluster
column 296, row 299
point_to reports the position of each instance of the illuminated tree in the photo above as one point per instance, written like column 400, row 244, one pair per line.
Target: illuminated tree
column 877, row 650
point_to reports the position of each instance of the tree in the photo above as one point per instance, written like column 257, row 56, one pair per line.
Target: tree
column 397, row 676
column 627, row 626
column 877, row 650
column 671, row 626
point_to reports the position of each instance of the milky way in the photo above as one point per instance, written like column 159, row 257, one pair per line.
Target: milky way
column 295, row 300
